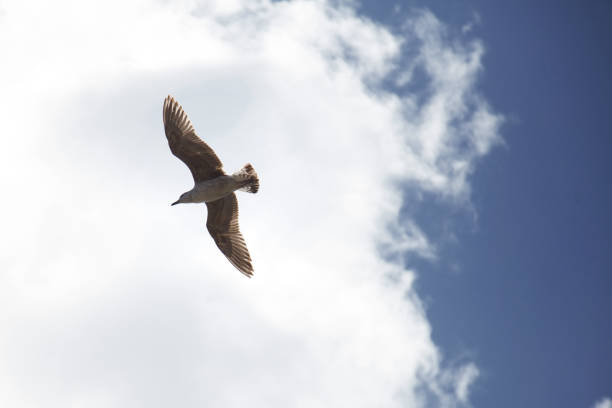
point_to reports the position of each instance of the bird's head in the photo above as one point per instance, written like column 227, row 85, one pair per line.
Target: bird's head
column 184, row 198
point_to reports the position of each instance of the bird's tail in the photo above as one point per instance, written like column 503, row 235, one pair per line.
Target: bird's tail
column 247, row 177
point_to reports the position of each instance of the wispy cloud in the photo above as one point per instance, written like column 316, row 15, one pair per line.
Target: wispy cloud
column 469, row 26
column 603, row 403
column 112, row 297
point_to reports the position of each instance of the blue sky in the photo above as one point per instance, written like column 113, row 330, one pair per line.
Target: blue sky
column 431, row 228
column 531, row 300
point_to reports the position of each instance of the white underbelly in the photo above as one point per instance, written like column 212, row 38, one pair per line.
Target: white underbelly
column 214, row 189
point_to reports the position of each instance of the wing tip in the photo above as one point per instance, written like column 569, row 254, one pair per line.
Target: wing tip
column 174, row 113
column 167, row 109
column 168, row 100
column 244, row 268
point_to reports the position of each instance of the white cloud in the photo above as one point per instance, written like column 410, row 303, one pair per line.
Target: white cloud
column 110, row 297
column 469, row 26
column 603, row 403
column 466, row 376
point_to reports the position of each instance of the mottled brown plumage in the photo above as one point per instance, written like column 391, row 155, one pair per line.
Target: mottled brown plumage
column 222, row 222
column 187, row 146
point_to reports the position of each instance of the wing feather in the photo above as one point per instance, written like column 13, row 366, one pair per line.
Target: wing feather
column 186, row 145
column 222, row 224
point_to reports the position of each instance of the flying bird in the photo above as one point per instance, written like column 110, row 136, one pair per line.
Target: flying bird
column 211, row 185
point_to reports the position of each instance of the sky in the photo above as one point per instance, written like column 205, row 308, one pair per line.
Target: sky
column 531, row 291
column 431, row 229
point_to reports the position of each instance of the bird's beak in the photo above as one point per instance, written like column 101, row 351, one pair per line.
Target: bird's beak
column 176, row 202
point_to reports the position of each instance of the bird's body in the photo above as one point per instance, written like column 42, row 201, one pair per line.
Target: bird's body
column 212, row 185
column 211, row 190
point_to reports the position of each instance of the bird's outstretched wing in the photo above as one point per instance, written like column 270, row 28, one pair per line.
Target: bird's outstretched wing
column 222, row 223
column 187, row 146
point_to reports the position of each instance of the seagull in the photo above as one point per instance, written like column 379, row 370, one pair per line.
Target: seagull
column 211, row 185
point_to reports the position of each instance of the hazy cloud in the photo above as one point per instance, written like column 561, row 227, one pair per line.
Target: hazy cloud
column 110, row 297
column 603, row 403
